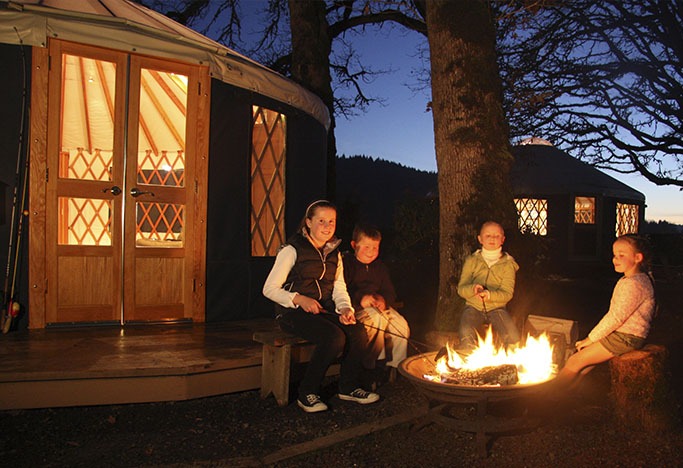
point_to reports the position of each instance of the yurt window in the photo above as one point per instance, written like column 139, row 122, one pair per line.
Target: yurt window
column 532, row 215
column 268, row 149
column 584, row 210
column 627, row 219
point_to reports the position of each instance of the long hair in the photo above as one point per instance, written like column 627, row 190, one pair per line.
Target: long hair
column 642, row 246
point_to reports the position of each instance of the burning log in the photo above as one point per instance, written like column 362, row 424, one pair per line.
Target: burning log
column 505, row 374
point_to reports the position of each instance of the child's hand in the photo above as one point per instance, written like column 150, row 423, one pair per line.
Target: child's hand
column 308, row 304
column 583, row 343
column 347, row 317
column 373, row 300
column 482, row 292
column 379, row 303
column 367, row 301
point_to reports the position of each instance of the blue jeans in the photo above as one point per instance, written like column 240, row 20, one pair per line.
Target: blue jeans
column 472, row 320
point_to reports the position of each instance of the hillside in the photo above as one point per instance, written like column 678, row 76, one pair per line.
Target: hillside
column 368, row 189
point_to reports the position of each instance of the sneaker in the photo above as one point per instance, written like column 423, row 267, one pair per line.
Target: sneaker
column 360, row 396
column 311, row 403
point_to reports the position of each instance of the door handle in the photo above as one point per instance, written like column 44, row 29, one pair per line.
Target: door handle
column 115, row 190
column 136, row 192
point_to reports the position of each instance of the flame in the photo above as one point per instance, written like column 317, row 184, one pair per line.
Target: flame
column 534, row 361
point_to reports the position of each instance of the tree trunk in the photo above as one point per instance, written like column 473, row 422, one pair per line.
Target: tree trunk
column 311, row 48
column 471, row 138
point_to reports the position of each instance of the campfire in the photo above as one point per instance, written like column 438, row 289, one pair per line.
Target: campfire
column 487, row 391
column 491, row 365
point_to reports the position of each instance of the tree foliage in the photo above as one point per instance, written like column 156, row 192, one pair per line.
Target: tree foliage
column 603, row 80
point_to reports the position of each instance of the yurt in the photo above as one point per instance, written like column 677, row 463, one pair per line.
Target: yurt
column 579, row 209
column 148, row 173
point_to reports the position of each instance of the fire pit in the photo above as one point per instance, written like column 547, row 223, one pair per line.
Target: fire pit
column 485, row 410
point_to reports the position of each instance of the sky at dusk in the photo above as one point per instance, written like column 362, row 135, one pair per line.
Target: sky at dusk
column 400, row 130
column 403, row 132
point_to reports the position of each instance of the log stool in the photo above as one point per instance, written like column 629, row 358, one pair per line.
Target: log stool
column 641, row 393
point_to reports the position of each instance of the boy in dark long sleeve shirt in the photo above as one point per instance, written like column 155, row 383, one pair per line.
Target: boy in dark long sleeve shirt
column 373, row 297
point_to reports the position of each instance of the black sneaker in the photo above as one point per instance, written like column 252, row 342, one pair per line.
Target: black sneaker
column 311, row 403
column 360, row 396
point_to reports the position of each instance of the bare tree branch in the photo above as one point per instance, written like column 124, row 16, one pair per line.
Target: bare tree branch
column 601, row 79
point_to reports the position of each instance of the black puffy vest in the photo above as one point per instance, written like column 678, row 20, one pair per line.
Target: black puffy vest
column 313, row 272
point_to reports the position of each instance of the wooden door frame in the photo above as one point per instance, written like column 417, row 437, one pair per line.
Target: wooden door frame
column 41, row 124
column 133, row 253
column 37, row 187
column 109, row 310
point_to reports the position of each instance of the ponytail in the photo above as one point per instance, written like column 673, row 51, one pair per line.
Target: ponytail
column 642, row 246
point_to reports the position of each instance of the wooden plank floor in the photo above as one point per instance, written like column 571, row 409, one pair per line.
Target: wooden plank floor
column 112, row 365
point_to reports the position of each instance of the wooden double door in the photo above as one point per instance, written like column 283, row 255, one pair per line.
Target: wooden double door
column 119, row 212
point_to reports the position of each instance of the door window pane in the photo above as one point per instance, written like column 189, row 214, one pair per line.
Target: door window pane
column 584, row 210
column 84, row 221
column 159, row 224
column 161, row 129
column 87, row 118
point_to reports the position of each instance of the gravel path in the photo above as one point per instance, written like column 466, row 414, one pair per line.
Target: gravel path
column 243, row 430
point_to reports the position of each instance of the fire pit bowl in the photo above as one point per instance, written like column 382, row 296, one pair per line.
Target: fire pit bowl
column 415, row 367
column 481, row 409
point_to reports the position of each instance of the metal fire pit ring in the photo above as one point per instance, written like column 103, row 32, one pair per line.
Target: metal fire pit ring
column 444, row 397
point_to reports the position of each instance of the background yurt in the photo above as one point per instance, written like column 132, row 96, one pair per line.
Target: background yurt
column 572, row 207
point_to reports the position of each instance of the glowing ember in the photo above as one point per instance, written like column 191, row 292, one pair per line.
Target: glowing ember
column 534, row 361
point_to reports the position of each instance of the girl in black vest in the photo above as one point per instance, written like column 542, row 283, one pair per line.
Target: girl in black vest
column 307, row 284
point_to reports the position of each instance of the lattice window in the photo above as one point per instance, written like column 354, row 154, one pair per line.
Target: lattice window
column 160, row 222
column 584, row 210
column 268, row 149
column 168, row 170
column 82, row 165
column 532, row 215
column 627, row 219
column 84, row 221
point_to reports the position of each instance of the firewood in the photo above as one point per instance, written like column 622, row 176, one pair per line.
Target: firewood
column 505, row 374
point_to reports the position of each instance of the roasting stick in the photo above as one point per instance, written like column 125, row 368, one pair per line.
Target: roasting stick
column 412, row 342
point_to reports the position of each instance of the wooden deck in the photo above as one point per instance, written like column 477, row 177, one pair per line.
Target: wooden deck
column 113, row 365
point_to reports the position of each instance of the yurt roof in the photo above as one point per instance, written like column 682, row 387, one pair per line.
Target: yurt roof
column 541, row 168
column 128, row 26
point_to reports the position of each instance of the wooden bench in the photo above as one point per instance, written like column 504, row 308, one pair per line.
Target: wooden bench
column 277, row 362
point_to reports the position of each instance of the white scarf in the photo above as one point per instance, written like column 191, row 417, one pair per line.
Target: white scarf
column 492, row 256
